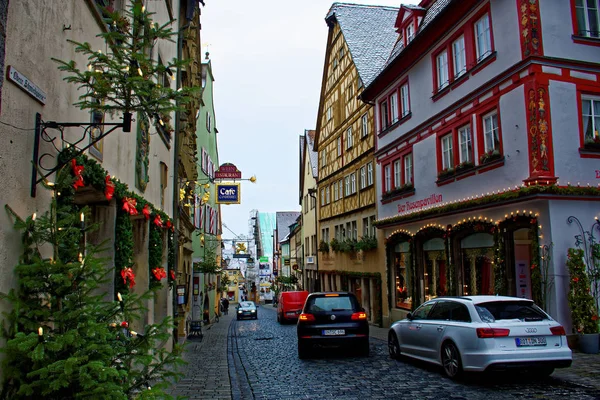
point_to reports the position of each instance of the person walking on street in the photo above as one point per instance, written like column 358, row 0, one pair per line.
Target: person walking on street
column 225, row 302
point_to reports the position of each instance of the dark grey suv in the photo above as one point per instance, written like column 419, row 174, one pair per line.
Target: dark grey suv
column 332, row 320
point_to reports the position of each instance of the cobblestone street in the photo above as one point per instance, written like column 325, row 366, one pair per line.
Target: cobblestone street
column 257, row 359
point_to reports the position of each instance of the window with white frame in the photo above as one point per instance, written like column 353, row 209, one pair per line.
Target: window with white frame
column 365, row 125
column 339, row 146
column 384, row 115
column 369, row 174
column 336, row 230
column 590, row 116
column 349, row 138
column 365, row 227
column 327, row 201
column 459, row 56
column 483, row 38
column 387, row 178
column 441, row 62
column 341, row 186
column 348, row 231
column 322, row 197
column 372, row 225
column 588, row 17
column 397, row 174
column 404, row 100
column 393, row 108
column 336, row 193
column 410, row 33
column 324, row 158
column 347, row 180
column 363, row 177
column 465, row 144
column 354, row 229
column 408, row 168
column 447, row 156
column 353, row 183
column 491, row 140
column 329, row 113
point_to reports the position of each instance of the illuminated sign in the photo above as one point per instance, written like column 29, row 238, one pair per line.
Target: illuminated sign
column 228, row 193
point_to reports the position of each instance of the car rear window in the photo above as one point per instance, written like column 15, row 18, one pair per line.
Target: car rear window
column 337, row 303
column 502, row 310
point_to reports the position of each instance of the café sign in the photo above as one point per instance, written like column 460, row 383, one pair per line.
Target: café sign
column 228, row 171
column 26, row 85
column 228, row 193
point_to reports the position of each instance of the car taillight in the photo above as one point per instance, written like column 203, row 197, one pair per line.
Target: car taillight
column 306, row 317
column 558, row 330
column 359, row 315
column 484, row 333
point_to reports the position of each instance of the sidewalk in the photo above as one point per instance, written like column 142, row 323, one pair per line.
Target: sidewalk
column 584, row 371
column 207, row 374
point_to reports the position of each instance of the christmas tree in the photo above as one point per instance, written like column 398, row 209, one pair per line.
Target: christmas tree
column 65, row 339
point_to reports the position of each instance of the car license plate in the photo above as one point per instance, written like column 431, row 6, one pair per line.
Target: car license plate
column 334, row 332
column 290, row 314
column 530, row 341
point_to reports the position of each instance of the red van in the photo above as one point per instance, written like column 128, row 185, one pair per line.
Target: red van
column 289, row 306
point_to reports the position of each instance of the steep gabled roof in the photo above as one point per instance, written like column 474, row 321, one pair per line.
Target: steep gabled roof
column 369, row 33
column 283, row 221
column 312, row 154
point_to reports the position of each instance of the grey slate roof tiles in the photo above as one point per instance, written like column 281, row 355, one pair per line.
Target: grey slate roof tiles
column 370, row 35
column 314, row 157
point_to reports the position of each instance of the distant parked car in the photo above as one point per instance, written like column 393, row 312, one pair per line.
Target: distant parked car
column 289, row 306
column 332, row 319
column 247, row 309
column 482, row 333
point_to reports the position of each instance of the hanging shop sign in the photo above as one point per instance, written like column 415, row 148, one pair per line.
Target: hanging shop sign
column 264, row 259
column 228, row 193
column 228, row 171
column 241, row 256
column 24, row 83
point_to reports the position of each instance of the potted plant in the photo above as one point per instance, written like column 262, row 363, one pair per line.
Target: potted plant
column 592, row 143
column 490, row 156
column 323, row 246
column 367, row 243
column 446, row 173
column 335, row 244
column 584, row 314
column 464, row 166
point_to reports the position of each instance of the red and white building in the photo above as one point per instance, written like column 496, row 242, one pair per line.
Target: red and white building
column 488, row 114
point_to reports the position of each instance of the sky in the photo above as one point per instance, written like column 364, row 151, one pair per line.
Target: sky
column 267, row 59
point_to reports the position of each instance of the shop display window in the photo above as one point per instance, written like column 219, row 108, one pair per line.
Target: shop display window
column 402, row 276
column 434, row 268
column 477, row 265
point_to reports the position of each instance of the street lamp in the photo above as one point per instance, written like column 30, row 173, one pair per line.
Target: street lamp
column 312, row 193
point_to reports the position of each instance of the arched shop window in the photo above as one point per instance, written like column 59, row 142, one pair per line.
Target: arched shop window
column 402, row 276
column 477, row 255
column 434, row 268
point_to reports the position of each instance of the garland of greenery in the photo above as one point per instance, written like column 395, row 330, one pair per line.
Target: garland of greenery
column 93, row 174
column 536, row 271
column 155, row 255
column 491, row 199
column 171, row 259
column 500, row 285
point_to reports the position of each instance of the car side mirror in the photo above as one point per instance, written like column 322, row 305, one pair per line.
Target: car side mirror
column 410, row 316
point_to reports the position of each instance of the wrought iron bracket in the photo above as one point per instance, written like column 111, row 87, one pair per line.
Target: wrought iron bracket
column 53, row 133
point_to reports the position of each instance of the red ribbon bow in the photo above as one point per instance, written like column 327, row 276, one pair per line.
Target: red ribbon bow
column 127, row 273
column 109, row 191
column 159, row 273
column 77, row 171
column 129, row 205
column 172, row 273
column 168, row 224
column 158, row 221
column 146, row 211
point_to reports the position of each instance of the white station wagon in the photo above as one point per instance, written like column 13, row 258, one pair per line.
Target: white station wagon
column 481, row 333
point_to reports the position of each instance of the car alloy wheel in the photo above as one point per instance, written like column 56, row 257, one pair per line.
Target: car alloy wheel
column 393, row 346
column 451, row 360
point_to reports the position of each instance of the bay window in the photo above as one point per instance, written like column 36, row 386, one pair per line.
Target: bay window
column 490, row 132
column 459, row 57
column 590, row 117
column 442, row 69
column 404, row 100
column 465, row 144
column 588, row 18
column 387, row 178
column 408, row 168
column 397, row 174
column 483, row 38
column 447, row 156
